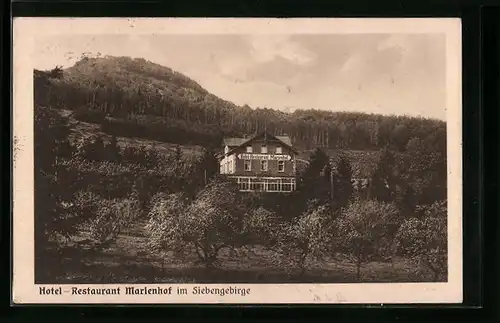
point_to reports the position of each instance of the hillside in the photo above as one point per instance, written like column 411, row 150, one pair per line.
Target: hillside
column 362, row 162
column 136, row 98
column 81, row 130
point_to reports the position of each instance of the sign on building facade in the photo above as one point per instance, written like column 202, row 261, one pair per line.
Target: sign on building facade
column 264, row 157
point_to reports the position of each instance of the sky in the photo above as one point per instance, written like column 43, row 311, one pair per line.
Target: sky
column 400, row 74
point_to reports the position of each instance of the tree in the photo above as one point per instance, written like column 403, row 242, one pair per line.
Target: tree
column 54, row 183
column 53, row 179
column 203, row 170
column 93, row 148
column 261, row 226
column 164, row 226
column 417, row 155
column 364, row 230
column 106, row 218
column 151, row 156
column 425, row 239
column 113, row 150
column 56, row 73
column 315, row 182
column 305, row 237
column 426, row 168
column 383, row 183
column 405, row 200
column 178, row 155
column 214, row 220
column 342, row 186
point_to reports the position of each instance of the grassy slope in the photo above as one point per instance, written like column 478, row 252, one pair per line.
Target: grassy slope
column 82, row 129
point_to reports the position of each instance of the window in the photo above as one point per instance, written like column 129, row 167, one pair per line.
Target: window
column 248, row 165
column 263, row 149
column 249, row 149
column 263, row 165
column 226, row 150
column 266, row 184
column 244, row 184
column 257, row 184
column 285, row 187
column 279, row 150
column 273, row 185
column 281, row 165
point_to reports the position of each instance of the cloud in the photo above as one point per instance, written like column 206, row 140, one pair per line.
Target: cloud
column 392, row 74
column 266, row 48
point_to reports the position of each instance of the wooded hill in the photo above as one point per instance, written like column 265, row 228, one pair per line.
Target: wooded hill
column 135, row 97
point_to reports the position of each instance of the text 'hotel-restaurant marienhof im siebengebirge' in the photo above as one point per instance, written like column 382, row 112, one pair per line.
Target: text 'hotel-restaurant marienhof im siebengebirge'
column 262, row 162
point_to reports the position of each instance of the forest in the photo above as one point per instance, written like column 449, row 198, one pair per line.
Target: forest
column 105, row 212
column 140, row 98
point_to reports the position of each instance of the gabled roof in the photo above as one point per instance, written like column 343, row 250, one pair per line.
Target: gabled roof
column 238, row 142
column 233, row 142
column 285, row 139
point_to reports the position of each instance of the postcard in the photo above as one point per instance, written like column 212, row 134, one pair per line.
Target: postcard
column 249, row 160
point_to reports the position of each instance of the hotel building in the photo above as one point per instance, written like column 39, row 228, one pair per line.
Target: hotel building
column 263, row 163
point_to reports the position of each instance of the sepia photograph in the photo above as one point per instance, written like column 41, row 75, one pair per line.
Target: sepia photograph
column 237, row 153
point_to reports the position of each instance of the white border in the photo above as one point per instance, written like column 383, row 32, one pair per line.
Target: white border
column 25, row 30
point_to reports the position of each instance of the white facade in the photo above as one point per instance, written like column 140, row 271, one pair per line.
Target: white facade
column 228, row 165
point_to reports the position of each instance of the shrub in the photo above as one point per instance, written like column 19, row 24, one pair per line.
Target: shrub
column 147, row 157
column 92, row 148
column 104, row 227
column 87, row 115
column 108, row 218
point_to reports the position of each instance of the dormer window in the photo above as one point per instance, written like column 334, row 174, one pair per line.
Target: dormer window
column 263, row 149
column 226, row 150
column 249, row 149
column 279, row 150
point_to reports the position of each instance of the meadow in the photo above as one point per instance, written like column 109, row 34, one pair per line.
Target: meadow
column 129, row 260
